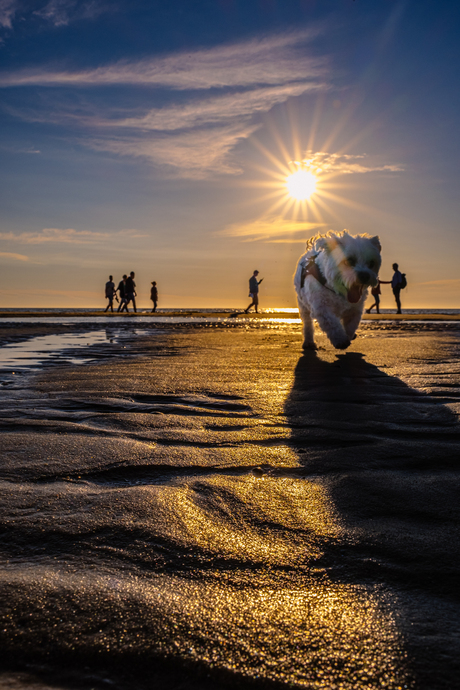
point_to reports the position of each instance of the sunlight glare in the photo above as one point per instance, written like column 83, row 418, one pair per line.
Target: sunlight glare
column 301, row 184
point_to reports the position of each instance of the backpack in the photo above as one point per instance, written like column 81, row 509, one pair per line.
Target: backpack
column 403, row 283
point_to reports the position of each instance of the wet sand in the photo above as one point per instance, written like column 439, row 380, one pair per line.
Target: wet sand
column 210, row 508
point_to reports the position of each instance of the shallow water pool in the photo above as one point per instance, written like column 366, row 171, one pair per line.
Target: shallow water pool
column 34, row 352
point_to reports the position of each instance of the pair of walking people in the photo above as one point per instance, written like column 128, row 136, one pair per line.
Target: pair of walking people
column 127, row 291
column 398, row 282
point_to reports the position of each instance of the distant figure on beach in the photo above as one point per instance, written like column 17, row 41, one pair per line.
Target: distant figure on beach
column 154, row 295
column 110, row 293
column 254, row 291
column 397, row 284
column 376, row 292
column 123, row 306
column 130, row 291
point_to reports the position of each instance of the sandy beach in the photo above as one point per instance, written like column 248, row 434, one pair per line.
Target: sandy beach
column 207, row 507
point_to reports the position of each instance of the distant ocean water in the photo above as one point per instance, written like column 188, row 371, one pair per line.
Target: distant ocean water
column 200, row 310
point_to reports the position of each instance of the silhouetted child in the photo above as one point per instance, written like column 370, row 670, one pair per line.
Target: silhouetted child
column 375, row 292
column 154, row 295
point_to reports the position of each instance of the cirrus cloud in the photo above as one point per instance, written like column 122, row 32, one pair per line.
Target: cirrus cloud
column 211, row 100
column 190, row 135
column 320, row 162
column 53, row 12
column 66, row 236
column 194, row 154
column 269, row 60
column 8, row 9
column 270, row 229
column 13, row 256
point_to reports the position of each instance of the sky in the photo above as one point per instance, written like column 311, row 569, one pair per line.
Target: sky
column 157, row 137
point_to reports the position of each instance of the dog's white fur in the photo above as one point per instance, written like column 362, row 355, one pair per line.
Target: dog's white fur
column 350, row 264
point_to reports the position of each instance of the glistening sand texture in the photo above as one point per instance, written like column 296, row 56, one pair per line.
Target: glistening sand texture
column 221, row 511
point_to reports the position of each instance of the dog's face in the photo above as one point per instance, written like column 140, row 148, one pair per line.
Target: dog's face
column 351, row 264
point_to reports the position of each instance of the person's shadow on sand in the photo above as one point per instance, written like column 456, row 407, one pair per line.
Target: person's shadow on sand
column 388, row 456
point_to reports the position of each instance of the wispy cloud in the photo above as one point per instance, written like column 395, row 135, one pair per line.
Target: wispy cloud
column 203, row 111
column 270, row 60
column 192, row 139
column 446, row 282
column 53, row 12
column 8, row 9
column 194, row 154
column 65, row 236
column 193, row 135
column 46, row 292
column 344, row 164
column 270, row 229
column 62, row 12
column 14, row 257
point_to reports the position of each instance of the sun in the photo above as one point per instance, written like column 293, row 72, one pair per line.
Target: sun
column 301, row 184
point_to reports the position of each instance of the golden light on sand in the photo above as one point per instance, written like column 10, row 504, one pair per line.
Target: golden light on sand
column 301, row 184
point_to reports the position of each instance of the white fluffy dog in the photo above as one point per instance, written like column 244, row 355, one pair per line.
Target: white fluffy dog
column 331, row 282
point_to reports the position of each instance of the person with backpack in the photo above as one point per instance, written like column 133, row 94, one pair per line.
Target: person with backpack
column 398, row 283
column 130, row 291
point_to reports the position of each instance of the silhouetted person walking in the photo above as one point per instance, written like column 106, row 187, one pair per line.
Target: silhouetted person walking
column 254, row 291
column 110, row 293
column 397, row 284
column 123, row 306
column 130, row 291
column 154, row 295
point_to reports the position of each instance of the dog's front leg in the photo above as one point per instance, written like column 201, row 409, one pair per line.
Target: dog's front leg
column 351, row 323
column 308, row 328
column 333, row 328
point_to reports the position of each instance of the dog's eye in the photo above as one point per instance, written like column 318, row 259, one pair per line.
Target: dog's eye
column 351, row 261
column 371, row 264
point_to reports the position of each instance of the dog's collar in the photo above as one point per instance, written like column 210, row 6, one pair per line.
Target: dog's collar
column 312, row 269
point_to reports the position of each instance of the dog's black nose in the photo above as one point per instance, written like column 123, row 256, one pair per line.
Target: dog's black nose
column 363, row 277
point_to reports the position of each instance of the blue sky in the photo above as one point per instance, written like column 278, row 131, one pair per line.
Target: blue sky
column 157, row 137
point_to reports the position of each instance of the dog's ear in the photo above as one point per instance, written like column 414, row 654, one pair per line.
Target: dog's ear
column 322, row 243
column 334, row 241
column 376, row 242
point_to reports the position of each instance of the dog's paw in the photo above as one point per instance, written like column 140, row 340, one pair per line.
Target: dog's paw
column 309, row 346
column 342, row 344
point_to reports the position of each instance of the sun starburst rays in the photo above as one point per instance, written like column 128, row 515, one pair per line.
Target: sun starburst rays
column 304, row 184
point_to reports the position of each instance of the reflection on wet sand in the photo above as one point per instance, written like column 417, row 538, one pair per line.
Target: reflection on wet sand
column 307, row 634
column 220, row 513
